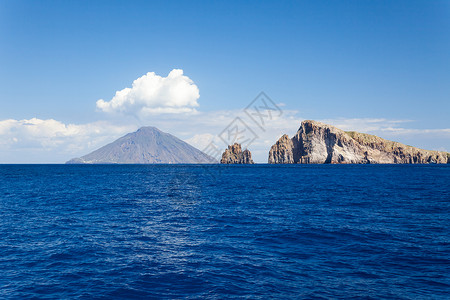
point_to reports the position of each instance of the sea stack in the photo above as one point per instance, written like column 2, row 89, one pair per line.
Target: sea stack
column 235, row 155
column 318, row 143
column 282, row 151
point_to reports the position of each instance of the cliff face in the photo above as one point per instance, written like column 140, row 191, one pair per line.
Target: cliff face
column 318, row 143
column 235, row 155
column 282, row 151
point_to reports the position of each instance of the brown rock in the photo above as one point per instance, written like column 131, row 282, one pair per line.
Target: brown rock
column 318, row 143
column 282, row 151
column 235, row 155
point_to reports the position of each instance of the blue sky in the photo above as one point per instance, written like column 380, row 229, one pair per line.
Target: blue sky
column 357, row 64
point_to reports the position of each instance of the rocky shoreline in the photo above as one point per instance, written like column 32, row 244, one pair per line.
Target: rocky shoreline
column 318, row 143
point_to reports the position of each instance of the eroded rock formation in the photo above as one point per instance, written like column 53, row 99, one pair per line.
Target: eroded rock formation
column 235, row 155
column 282, row 151
column 318, row 143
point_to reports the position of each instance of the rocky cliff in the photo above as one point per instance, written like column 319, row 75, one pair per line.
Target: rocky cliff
column 318, row 143
column 235, row 155
column 282, row 151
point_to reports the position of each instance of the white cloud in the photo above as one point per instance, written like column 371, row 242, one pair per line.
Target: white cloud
column 151, row 94
column 394, row 130
column 206, row 128
column 386, row 126
column 153, row 100
column 201, row 141
column 37, row 140
column 365, row 125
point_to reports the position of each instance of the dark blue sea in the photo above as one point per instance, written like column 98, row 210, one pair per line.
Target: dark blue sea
column 218, row 232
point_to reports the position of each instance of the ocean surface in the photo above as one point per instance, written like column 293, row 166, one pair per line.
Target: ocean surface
column 219, row 232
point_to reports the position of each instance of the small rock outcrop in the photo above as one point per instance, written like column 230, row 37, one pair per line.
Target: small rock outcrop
column 235, row 155
column 282, row 151
column 318, row 143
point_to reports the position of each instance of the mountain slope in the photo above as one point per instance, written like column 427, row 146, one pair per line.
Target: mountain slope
column 148, row 145
column 318, row 143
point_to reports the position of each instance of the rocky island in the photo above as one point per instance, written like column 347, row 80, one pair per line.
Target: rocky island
column 235, row 155
column 318, row 143
column 148, row 145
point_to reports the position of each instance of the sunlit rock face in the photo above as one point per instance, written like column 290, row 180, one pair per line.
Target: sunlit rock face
column 318, row 143
column 235, row 155
column 282, row 151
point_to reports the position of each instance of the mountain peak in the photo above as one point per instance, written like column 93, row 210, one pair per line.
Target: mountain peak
column 147, row 145
column 147, row 129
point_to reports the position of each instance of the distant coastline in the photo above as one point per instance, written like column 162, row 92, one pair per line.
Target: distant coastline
column 314, row 143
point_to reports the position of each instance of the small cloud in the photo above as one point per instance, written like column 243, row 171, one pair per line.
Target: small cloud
column 395, row 130
column 153, row 94
column 381, row 126
column 36, row 136
column 201, row 141
column 365, row 125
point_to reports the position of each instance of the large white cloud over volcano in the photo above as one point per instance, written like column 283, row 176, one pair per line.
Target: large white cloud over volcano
column 152, row 93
